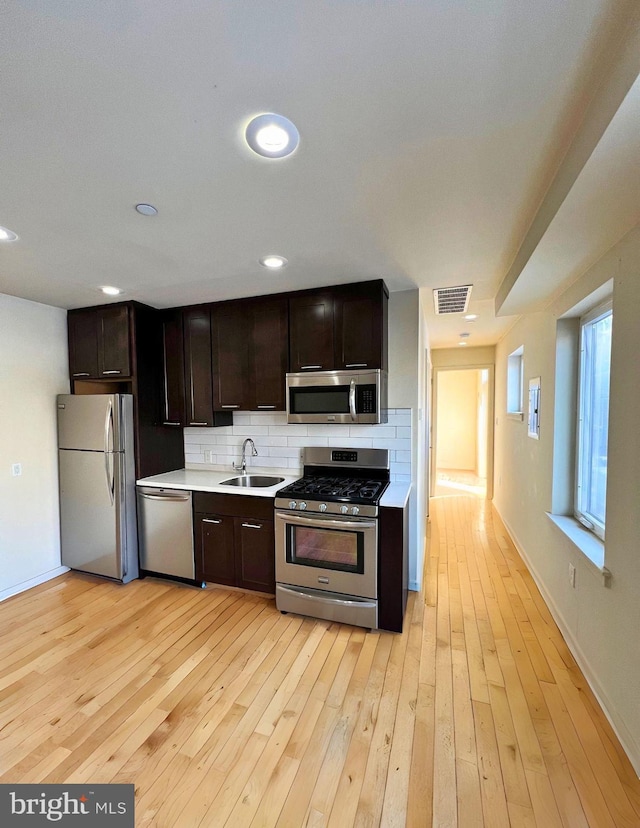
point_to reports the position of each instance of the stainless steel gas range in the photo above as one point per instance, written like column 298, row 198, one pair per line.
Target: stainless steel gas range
column 326, row 527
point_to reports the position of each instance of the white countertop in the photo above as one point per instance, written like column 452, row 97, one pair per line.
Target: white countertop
column 396, row 495
column 210, row 480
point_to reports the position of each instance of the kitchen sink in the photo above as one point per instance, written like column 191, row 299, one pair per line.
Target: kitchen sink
column 252, row 480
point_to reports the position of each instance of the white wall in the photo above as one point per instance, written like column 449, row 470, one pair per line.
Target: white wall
column 406, row 377
column 463, row 357
column 457, row 420
column 600, row 623
column 483, row 422
column 33, row 369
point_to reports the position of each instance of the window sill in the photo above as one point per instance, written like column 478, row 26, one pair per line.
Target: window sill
column 515, row 415
column 591, row 546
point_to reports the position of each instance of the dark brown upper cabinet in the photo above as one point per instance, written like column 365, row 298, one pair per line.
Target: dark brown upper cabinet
column 268, row 359
column 99, row 342
column 197, row 367
column 311, row 331
column 230, row 352
column 339, row 328
column 117, row 348
column 83, row 343
column 114, row 352
column 250, row 339
column 360, row 326
column 173, row 413
column 187, row 382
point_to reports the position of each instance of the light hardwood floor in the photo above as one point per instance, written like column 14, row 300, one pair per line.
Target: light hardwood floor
column 224, row 712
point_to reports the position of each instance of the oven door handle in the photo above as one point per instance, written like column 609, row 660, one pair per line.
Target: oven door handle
column 322, row 522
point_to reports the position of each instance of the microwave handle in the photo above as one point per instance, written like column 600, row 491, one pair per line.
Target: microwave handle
column 352, row 399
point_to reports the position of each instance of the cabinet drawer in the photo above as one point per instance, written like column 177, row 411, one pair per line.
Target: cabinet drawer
column 235, row 505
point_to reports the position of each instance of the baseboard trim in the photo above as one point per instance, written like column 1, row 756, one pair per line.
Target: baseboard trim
column 624, row 736
column 414, row 586
column 32, row 582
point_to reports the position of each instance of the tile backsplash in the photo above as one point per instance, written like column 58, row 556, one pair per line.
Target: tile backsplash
column 280, row 445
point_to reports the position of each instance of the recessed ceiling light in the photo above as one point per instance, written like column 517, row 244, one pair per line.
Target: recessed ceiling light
column 272, row 136
column 146, row 209
column 464, row 335
column 471, row 316
column 462, row 343
column 7, row 235
column 273, row 262
column 110, row 291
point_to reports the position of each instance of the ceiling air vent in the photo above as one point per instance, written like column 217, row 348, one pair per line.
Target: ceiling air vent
column 452, row 300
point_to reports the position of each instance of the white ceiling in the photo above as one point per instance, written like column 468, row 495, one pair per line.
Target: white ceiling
column 438, row 144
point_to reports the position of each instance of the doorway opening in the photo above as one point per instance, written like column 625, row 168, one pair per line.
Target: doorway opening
column 462, row 451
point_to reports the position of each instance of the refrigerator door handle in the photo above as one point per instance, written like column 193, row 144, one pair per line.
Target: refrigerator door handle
column 110, row 475
column 108, row 428
column 108, row 456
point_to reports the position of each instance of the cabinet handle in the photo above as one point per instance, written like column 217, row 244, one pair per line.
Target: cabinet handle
column 210, row 520
column 112, row 372
column 266, row 406
column 198, row 424
column 81, row 374
column 167, row 422
column 229, row 406
column 309, row 367
column 252, row 525
column 356, row 365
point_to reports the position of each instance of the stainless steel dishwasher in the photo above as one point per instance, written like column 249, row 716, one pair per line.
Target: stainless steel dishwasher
column 165, row 532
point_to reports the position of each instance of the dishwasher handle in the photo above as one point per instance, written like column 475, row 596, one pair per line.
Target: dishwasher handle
column 165, row 496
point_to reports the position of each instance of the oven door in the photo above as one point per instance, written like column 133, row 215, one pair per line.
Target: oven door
column 331, row 553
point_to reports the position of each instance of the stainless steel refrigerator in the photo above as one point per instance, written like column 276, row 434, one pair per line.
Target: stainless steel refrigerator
column 97, row 484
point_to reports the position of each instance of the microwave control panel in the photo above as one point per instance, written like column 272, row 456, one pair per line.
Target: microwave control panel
column 366, row 403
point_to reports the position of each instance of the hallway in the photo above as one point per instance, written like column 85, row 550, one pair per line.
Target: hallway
column 518, row 738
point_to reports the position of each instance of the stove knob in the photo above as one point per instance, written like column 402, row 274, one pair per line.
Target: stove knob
column 355, row 510
column 323, row 507
column 344, row 510
column 292, row 504
column 302, row 505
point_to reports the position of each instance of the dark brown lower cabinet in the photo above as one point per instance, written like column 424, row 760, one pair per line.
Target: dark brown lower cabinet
column 393, row 567
column 255, row 554
column 234, row 540
column 215, row 550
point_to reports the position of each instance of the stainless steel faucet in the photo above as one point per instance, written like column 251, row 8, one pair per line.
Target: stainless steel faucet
column 254, row 453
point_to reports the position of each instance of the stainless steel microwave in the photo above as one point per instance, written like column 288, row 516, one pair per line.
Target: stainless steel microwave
column 351, row 397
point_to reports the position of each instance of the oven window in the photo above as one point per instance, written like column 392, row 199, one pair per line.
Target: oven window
column 326, row 548
column 315, row 400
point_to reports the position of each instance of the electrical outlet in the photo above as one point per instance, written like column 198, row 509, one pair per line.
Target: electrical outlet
column 572, row 575
column 208, row 456
column 16, row 469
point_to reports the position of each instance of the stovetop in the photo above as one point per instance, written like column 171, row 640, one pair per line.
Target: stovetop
column 335, row 477
column 361, row 490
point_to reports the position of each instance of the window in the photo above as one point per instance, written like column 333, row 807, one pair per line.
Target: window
column 515, row 382
column 593, row 418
